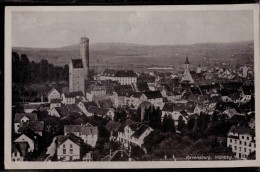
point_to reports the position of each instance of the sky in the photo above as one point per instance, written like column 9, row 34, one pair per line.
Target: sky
column 51, row 29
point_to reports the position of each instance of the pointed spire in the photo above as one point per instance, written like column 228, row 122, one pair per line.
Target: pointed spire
column 187, row 60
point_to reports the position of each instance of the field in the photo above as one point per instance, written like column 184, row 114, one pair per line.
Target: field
column 134, row 56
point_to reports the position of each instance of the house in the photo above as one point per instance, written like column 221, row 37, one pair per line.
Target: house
column 242, row 141
column 113, row 127
column 55, row 103
column 174, row 110
column 69, row 147
column 70, row 98
column 29, row 137
column 89, row 134
column 85, row 105
column 124, row 77
column 133, row 134
column 22, row 118
column 59, row 112
column 35, row 126
column 106, row 113
column 136, row 99
column 247, row 92
column 155, row 97
column 19, row 151
column 95, row 90
column 53, row 94
column 121, row 95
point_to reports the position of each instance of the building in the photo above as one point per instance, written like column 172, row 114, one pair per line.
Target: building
column 53, row 94
column 124, row 77
column 89, row 134
column 29, row 137
column 69, row 147
column 19, row 151
column 242, row 141
column 70, row 98
column 22, row 118
column 186, row 75
column 79, row 68
column 133, row 134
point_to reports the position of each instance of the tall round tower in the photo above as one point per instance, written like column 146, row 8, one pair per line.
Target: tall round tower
column 84, row 55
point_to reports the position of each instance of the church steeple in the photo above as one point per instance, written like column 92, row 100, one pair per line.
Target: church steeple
column 187, row 60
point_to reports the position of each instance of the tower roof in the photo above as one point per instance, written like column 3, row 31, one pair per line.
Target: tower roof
column 187, row 60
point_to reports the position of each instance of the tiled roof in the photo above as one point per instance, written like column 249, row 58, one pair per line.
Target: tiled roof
column 85, row 130
column 55, row 101
column 142, row 86
column 77, row 63
column 30, row 116
column 63, row 111
column 241, row 130
column 113, row 125
column 74, row 94
column 36, row 126
column 125, row 73
column 140, row 131
column 61, row 139
column 153, row 94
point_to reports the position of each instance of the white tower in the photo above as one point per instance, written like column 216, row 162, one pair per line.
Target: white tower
column 84, row 55
column 245, row 70
column 187, row 76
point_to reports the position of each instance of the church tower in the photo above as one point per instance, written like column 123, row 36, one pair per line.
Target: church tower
column 187, row 76
column 245, row 70
column 84, row 55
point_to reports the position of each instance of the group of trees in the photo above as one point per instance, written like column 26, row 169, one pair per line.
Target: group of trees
column 24, row 71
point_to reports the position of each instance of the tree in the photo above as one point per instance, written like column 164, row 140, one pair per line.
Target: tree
column 190, row 123
column 181, row 124
column 168, row 124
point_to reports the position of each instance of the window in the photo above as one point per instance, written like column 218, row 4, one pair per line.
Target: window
column 71, row 151
column 239, row 148
column 245, row 143
column 70, row 145
column 64, row 151
column 249, row 144
column 245, row 149
column 230, row 140
column 242, row 137
column 235, row 141
column 240, row 142
column 64, row 146
column 247, row 138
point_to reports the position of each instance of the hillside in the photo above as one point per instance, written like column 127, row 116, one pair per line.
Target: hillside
column 125, row 55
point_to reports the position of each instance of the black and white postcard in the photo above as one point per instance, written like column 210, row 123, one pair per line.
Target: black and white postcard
column 132, row 86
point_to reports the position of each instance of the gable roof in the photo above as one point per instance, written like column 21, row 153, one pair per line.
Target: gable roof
column 73, row 94
column 77, row 63
column 113, row 126
column 85, row 130
column 241, row 130
column 36, row 126
column 30, row 116
column 52, row 89
column 140, row 131
column 125, row 73
column 61, row 139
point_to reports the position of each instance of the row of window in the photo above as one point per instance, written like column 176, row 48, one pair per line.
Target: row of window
column 65, row 151
column 240, row 149
column 241, row 143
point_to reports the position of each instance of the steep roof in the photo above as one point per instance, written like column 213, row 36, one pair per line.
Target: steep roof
column 85, row 130
column 62, row 111
column 77, row 63
column 73, row 94
column 55, row 101
column 125, row 73
column 52, row 89
column 142, row 86
column 187, row 60
column 113, row 125
column 241, row 130
column 61, row 139
column 153, row 94
column 30, row 116
column 140, row 131
column 36, row 126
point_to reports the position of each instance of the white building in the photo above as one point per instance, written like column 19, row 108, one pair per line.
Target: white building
column 53, row 94
column 242, row 141
column 134, row 134
column 124, row 77
column 89, row 134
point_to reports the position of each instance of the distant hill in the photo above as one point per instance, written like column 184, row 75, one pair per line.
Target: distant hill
column 124, row 54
